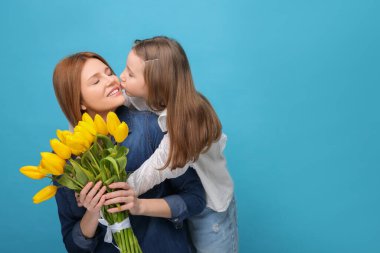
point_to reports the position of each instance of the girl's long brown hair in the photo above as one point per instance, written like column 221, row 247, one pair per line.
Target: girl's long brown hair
column 192, row 123
column 67, row 83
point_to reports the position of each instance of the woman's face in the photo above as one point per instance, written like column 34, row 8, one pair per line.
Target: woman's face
column 100, row 89
column 132, row 78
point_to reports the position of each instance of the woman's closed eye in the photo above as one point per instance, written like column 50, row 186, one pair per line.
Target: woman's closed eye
column 96, row 81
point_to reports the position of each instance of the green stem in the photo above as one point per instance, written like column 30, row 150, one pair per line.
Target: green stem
column 125, row 234
column 96, row 163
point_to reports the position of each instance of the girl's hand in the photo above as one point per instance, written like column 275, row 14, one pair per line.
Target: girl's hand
column 125, row 196
column 92, row 197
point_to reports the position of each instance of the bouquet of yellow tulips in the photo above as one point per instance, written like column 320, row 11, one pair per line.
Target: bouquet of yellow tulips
column 89, row 154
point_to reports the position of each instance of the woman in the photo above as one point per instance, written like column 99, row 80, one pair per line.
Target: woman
column 84, row 82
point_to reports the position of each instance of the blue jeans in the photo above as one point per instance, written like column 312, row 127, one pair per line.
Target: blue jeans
column 213, row 231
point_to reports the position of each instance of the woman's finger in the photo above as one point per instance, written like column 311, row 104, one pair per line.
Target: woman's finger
column 93, row 191
column 96, row 198
column 101, row 202
column 84, row 191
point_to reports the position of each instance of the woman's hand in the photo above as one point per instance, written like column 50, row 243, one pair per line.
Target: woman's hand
column 91, row 197
column 125, row 196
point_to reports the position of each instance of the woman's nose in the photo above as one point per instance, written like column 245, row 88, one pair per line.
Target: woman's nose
column 112, row 80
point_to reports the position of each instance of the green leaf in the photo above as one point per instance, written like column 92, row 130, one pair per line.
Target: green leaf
column 68, row 169
column 104, row 140
column 98, row 177
column 82, row 175
column 68, row 182
column 89, row 162
column 114, row 167
column 103, row 171
column 110, row 180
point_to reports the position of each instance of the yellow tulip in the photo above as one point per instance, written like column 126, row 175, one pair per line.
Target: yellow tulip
column 60, row 149
column 52, row 163
column 121, row 132
column 32, row 172
column 62, row 135
column 112, row 122
column 84, row 133
column 48, row 168
column 45, row 194
column 43, row 170
column 100, row 125
column 76, row 142
column 76, row 152
column 81, row 137
column 53, row 158
column 87, row 118
column 90, row 128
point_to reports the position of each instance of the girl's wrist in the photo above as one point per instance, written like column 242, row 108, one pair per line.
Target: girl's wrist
column 140, row 208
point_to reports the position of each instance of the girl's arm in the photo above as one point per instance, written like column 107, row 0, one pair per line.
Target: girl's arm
column 189, row 199
column 126, row 196
column 150, row 173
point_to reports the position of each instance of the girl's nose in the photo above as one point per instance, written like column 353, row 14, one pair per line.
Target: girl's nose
column 122, row 76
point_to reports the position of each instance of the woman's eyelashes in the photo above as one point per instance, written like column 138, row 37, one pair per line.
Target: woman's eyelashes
column 108, row 72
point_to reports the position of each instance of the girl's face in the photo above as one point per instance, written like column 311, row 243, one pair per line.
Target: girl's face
column 132, row 78
column 100, row 89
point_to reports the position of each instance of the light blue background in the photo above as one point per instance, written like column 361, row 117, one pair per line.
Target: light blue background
column 295, row 83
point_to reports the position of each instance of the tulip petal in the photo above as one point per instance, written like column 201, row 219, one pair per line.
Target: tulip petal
column 76, row 142
column 49, row 168
column 43, row 170
column 32, row 172
column 52, row 162
column 112, row 122
column 53, row 158
column 121, row 132
column 90, row 128
column 60, row 149
column 100, row 125
column 45, row 194
column 62, row 135
column 84, row 133
column 87, row 118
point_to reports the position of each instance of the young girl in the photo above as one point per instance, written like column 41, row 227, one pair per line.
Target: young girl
column 84, row 82
column 157, row 77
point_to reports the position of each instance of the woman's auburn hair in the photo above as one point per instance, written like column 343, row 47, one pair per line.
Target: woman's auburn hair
column 192, row 123
column 67, row 83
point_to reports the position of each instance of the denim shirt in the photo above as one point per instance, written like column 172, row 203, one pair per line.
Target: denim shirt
column 185, row 196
